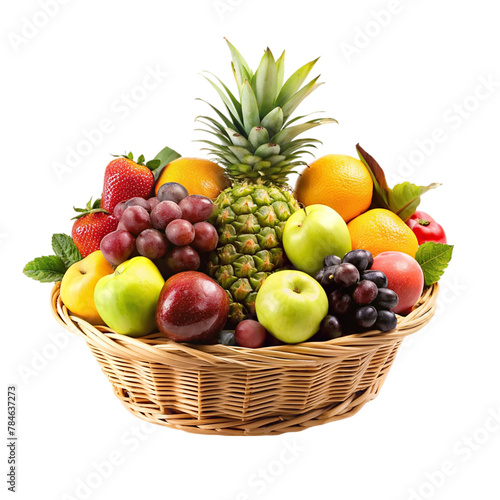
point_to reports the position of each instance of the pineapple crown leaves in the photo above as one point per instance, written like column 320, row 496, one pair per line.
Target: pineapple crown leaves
column 255, row 137
column 90, row 208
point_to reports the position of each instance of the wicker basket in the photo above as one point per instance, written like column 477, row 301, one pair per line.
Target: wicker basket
column 217, row 389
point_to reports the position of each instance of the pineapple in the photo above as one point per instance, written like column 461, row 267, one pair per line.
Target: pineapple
column 257, row 145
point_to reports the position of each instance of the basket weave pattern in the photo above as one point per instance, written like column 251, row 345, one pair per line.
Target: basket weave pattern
column 218, row 389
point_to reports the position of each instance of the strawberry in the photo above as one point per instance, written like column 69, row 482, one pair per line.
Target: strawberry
column 92, row 224
column 124, row 179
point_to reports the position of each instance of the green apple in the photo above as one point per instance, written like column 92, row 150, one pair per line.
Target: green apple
column 291, row 305
column 126, row 300
column 312, row 233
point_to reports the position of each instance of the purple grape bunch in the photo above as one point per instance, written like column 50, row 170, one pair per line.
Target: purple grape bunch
column 358, row 297
column 171, row 229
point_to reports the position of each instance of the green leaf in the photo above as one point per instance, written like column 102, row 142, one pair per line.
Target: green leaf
column 232, row 105
column 275, row 159
column 140, row 159
column 216, row 146
column 288, row 134
column 404, row 198
column 65, row 248
column 293, row 84
column 241, row 69
column 250, row 108
column 433, row 259
column 234, row 101
column 210, row 122
column 266, row 150
column 45, row 269
column 90, row 208
column 153, row 164
column 165, row 156
column 273, row 121
column 240, row 153
column 380, row 187
column 291, row 105
column 238, row 139
column 280, row 73
column 265, row 83
column 288, row 148
column 222, row 138
column 258, row 136
column 297, row 118
column 235, row 123
column 252, row 160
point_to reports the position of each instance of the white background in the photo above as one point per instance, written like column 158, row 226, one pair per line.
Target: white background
column 418, row 69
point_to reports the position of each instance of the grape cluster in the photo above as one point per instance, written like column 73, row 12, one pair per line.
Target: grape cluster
column 170, row 229
column 248, row 333
column 358, row 296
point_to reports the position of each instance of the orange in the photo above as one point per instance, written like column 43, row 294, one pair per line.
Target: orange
column 197, row 175
column 339, row 181
column 380, row 230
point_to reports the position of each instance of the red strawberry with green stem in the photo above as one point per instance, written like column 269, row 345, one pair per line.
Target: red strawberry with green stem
column 124, row 179
column 92, row 224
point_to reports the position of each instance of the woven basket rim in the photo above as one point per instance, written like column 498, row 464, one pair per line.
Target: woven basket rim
column 155, row 346
column 218, row 389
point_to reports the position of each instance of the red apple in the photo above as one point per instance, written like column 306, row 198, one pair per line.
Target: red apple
column 192, row 307
column 404, row 276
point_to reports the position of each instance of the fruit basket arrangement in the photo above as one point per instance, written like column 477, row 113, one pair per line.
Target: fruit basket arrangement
column 218, row 300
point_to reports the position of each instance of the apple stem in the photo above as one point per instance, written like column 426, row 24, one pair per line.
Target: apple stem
column 424, row 222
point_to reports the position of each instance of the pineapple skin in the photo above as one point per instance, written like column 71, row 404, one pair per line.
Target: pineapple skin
column 249, row 219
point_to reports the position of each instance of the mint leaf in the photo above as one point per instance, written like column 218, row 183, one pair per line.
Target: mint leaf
column 165, row 156
column 52, row 268
column 433, row 259
column 45, row 269
column 404, row 198
column 65, row 248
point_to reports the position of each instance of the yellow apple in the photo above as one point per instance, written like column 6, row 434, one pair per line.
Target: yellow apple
column 78, row 284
